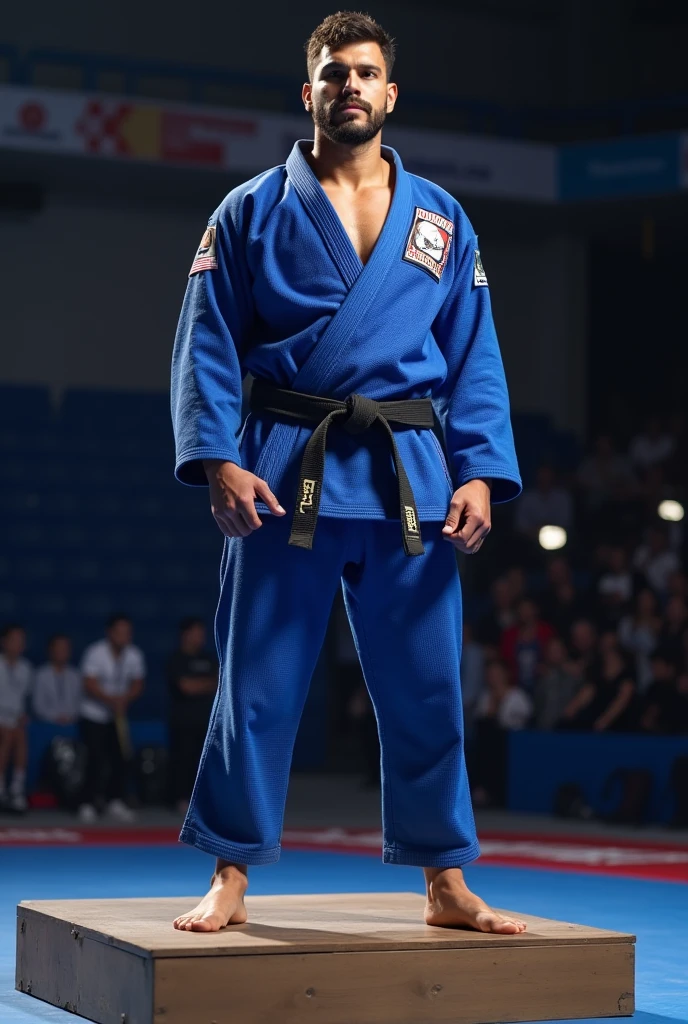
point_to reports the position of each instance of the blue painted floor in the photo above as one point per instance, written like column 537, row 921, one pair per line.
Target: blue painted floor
column 657, row 912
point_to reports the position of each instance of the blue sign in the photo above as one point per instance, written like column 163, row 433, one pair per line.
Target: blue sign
column 621, row 167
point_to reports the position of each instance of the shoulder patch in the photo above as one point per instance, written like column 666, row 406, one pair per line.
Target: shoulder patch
column 479, row 276
column 429, row 242
column 206, row 256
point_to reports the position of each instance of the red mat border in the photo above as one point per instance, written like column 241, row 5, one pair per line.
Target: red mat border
column 367, row 842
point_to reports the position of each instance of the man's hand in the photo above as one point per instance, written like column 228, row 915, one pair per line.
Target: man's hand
column 233, row 492
column 468, row 520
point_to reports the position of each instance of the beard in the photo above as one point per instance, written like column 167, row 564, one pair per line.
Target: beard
column 351, row 132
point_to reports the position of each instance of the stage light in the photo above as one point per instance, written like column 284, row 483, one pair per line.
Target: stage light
column 552, row 538
column 672, row 511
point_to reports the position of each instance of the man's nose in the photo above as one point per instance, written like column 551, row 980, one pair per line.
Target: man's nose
column 352, row 84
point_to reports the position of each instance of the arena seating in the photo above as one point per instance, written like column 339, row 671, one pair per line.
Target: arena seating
column 94, row 522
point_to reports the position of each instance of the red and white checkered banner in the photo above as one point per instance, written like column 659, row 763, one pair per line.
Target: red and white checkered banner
column 247, row 142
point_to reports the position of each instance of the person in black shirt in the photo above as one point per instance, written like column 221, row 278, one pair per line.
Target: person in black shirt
column 663, row 709
column 607, row 699
column 192, row 679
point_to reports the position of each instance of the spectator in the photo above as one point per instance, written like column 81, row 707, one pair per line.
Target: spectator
column 556, row 685
column 606, row 701
column 15, row 686
column 546, row 504
column 682, row 690
column 113, row 675
column 583, row 647
column 192, row 681
column 655, row 560
column 522, row 645
column 516, row 580
column 653, row 446
column 682, row 663
column 677, row 585
column 502, row 707
column 614, row 588
column 500, row 616
column 560, row 601
column 472, row 677
column 638, row 633
column 57, row 690
column 671, row 636
column 604, row 475
column 662, row 708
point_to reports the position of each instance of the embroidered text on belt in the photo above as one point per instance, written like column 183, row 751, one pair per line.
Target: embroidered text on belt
column 356, row 415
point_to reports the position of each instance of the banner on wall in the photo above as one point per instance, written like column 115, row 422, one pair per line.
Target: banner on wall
column 111, row 127
column 620, row 168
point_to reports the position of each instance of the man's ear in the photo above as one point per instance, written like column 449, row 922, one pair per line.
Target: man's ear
column 392, row 93
column 307, row 96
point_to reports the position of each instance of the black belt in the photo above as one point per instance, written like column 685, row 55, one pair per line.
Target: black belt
column 357, row 414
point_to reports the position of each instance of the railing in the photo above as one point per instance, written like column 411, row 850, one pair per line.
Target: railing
column 219, row 86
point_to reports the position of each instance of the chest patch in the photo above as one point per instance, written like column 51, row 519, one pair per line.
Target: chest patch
column 206, row 256
column 429, row 242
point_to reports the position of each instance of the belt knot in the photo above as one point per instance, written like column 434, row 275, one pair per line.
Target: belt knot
column 362, row 413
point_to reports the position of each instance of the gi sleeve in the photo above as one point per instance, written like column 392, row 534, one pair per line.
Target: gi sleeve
column 473, row 403
column 216, row 315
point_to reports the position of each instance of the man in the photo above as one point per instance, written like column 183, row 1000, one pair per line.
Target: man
column 353, row 293
column 113, row 671
column 57, row 690
column 15, row 685
column 192, row 682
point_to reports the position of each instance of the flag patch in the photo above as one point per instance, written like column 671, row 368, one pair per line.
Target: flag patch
column 206, row 256
column 429, row 242
column 479, row 276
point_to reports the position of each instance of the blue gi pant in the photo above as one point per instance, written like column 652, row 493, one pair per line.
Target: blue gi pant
column 405, row 614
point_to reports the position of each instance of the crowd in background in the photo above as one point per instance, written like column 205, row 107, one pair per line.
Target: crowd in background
column 95, row 698
column 591, row 637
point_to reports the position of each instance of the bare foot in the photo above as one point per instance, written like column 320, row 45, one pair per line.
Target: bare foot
column 451, row 904
column 223, row 905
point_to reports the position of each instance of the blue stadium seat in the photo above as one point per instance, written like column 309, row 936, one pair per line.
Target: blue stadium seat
column 21, row 404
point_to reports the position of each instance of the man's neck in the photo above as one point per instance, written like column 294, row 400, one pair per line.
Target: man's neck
column 351, row 167
column 116, row 650
column 11, row 659
column 58, row 666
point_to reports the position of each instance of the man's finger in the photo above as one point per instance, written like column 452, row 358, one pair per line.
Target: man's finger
column 453, row 517
column 475, row 524
column 223, row 527
column 264, row 492
column 239, row 522
column 477, row 540
column 247, row 510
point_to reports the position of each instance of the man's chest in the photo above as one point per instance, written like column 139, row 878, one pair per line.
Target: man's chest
column 363, row 215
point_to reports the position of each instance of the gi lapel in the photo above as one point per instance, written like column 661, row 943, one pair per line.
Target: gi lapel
column 316, row 375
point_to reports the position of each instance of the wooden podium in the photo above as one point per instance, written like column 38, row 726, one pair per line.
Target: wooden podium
column 364, row 958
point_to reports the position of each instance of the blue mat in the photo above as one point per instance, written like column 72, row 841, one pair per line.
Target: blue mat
column 657, row 912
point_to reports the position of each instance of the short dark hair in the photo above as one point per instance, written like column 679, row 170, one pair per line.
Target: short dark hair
column 346, row 27
column 57, row 636
column 188, row 622
column 118, row 617
column 10, row 627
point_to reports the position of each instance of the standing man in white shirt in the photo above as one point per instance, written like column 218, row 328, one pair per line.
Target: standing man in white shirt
column 16, row 675
column 113, row 671
column 57, row 690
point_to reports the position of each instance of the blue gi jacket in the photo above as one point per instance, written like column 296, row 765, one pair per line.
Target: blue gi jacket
column 278, row 290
